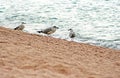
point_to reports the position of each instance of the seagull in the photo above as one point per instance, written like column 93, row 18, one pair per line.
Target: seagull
column 20, row 27
column 49, row 30
column 71, row 33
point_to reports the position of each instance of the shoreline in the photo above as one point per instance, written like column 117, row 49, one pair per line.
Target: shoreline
column 25, row 55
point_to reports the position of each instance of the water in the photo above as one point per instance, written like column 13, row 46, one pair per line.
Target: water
column 94, row 21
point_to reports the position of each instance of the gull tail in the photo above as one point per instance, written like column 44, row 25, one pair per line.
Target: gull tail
column 39, row 31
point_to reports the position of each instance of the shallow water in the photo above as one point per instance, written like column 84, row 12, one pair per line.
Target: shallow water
column 95, row 22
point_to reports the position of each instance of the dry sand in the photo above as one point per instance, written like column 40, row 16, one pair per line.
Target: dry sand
column 24, row 55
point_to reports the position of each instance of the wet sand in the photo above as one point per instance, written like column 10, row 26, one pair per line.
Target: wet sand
column 24, row 55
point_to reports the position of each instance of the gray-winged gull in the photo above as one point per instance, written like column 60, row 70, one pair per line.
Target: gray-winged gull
column 71, row 33
column 20, row 27
column 49, row 30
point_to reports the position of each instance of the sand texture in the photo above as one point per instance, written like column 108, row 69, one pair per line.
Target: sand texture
column 24, row 55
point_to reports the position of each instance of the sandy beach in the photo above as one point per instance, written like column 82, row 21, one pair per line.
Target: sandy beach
column 24, row 55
